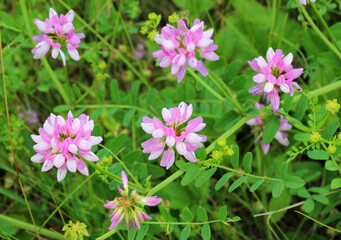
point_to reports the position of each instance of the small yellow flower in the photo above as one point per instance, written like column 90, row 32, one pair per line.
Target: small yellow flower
column 144, row 30
column 331, row 149
column 315, row 137
column 75, row 231
column 228, row 150
column 152, row 15
column 151, row 35
column 332, row 106
column 216, row 155
column 173, row 18
column 221, row 142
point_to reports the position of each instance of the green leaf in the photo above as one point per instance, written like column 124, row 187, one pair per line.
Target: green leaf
column 329, row 131
column 206, row 232
column 301, row 136
column 235, row 157
column 277, row 189
column 226, row 121
column 205, row 176
column 200, row 153
column 231, row 70
column 309, row 205
column 190, row 175
column 128, row 116
column 294, row 182
column 201, row 214
column 140, row 234
column 283, row 168
column 131, row 233
column 336, row 183
column 114, row 91
column 134, row 91
column 319, row 190
column 237, row 183
column 187, row 215
column 247, row 162
column 287, row 102
column 301, row 107
column 132, row 157
column 223, row 180
column 256, row 185
column 318, row 154
column 223, row 212
column 321, row 199
column 63, row 108
column 7, row 227
column 185, row 232
column 270, row 130
column 331, row 166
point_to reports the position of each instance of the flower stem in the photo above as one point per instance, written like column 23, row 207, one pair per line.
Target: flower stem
column 109, row 174
column 248, row 174
column 229, row 132
column 184, row 223
column 331, row 156
column 228, row 96
column 318, row 32
column 202, row 82
column 24, row 225
column 165, row 182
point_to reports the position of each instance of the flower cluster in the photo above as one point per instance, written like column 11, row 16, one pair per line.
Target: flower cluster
column 127, row 207
column 274, row 75
column 57, row 29
column 180, row 45
column 61, row 142
column 175, row 134
column 280, row 135
column 304, row 2
column 29, row 116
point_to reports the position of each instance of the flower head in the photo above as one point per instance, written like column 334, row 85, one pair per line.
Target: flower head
column 175, row 134
column 315, row 137
column 280, row 135
column 181, row 46
column 56, row 30
column 129, row 207
column 332, row 106
column 61, row 142
column 273, row 76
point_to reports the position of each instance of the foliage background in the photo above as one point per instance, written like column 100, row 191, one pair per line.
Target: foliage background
column 117, row 89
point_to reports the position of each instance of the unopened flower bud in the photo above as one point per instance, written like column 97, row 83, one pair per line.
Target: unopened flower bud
column 332, row 149
column 315, row 137
column 332, row 106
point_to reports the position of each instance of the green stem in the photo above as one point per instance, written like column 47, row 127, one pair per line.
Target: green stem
column 65, row 200
column 248, row 174
column 325, row 25
column 115, row 106
column 24, row 225
column 296, row 123
column 331, row 156
column 183, row 223
column 165, row 182
column 118, row 53
column 113, row 176
column 55, row 81
column 124, row 166
column 229, row 132
column 108, row 234
column 326, row 89
column 318, row 32
column 205, row 85
column 229, row 97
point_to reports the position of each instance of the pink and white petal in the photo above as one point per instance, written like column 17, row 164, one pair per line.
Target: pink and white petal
column 288, row 59
column 155, row 155
column 70, row 16
column 84, row 171
column 269, row 54
column 261, row 62
column 181, row 148
column 285, row 88
column 74, row 54
column 268, row 87
column 37, row 158
column 42, row 146
column 63, row 56
column 265, row 147
column 170, row 141
column 40, row 25
column 73, row 148
column 58, row 160
column 210, row 56
column 166, row 114
column 181, row 74
column 61, row 173
column 95, row 140
column 52, row 13
column 90, row 156
column 71, row 165
column 36, row 138
column 55, row 53
column 190, row 156
column 68, row 27
column 259, row 78
column 47, row 166
column 202, row 68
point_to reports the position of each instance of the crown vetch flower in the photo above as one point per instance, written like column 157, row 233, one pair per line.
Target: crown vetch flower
column 181, row 46
column 60, row 141
column 175, row 134
column 130, row 207
column 280, row 135
column 274, row 75
column 56, row 30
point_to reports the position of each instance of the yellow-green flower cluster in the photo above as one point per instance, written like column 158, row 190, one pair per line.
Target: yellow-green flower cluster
column 173, row 18
column 315, row 137
column 332, row 106
column 75, row 231
column 331, row 149
column 150, row 26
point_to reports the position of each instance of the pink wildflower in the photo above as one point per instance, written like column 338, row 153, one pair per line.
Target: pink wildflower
column 60, row 142
column 130, row 207
column 57, row 29
column 180, row 45
column 280, row 135
column 274, row 75
column 174, row 134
